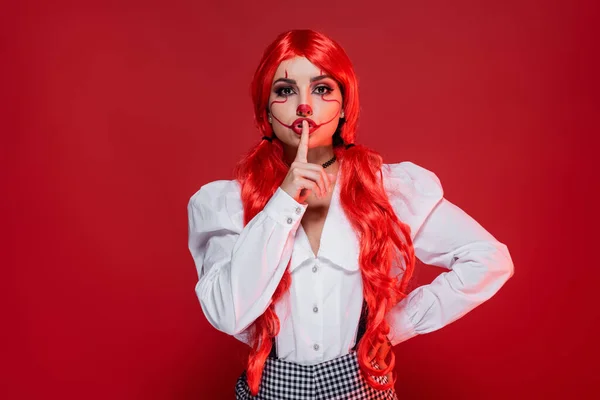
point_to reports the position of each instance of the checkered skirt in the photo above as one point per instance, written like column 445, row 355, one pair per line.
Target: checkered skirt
column 338, row 378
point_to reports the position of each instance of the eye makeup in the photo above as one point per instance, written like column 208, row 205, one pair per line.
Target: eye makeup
column 284, row 91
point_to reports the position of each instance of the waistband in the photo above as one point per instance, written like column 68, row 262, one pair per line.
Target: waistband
column 351, row 356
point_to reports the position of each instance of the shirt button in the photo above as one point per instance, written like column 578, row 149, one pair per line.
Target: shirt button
column 298, row 210
column 315, row 268
column 315, row 309
column 289, row 220
column 316, row 347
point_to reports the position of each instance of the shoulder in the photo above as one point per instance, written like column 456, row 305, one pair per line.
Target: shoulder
column 215, row 191
column 218, row 200
column 413, row 191
column 410, row 176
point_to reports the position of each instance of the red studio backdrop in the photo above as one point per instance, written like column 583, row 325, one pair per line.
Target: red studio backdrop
column 115, row 113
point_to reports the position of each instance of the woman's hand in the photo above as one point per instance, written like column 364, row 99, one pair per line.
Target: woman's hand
column 380, row 352
column 304, row 177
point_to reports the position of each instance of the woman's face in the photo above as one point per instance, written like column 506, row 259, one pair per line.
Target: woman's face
column 300, row 90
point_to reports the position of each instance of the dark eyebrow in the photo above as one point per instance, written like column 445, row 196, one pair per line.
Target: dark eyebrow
column 293, row 82
column 320, row 77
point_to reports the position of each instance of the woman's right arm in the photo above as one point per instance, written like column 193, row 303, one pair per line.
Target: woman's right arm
column 239, row 267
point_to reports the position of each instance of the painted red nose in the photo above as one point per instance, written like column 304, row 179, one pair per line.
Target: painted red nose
column 303, row 110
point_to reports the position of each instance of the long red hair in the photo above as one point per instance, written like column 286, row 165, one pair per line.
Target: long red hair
column 384, row 239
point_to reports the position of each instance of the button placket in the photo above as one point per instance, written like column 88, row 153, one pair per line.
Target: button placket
column 317, row 311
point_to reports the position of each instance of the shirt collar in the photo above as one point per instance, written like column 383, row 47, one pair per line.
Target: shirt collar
column 339, row 243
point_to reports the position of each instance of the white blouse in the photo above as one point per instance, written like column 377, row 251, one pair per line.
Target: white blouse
column 240, row 267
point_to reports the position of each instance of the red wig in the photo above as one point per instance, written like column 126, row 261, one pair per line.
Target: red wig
column 384, row 239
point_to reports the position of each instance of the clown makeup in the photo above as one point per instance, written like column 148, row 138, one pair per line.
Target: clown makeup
column 300, row 90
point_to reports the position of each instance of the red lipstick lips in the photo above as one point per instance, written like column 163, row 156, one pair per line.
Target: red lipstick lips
column 296, row 126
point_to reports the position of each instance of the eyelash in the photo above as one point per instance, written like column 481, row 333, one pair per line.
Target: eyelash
column 280, row 90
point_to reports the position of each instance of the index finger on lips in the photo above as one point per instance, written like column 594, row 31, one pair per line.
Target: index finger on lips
column 303, row 146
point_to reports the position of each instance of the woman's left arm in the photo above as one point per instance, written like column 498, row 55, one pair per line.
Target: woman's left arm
column 478, row 266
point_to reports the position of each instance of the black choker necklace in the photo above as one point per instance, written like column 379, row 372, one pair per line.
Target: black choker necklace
column 328, row 163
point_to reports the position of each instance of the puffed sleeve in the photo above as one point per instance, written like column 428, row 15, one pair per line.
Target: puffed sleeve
column 239, row 267
column 445, row 236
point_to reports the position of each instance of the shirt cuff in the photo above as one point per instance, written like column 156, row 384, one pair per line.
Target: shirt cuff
column 284, row 209
column 405, row 332
column 400, row 319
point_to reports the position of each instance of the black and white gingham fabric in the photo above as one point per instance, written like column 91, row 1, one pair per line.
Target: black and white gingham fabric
column 338, row 379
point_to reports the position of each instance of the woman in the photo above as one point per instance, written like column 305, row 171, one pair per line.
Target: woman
column 307, row 254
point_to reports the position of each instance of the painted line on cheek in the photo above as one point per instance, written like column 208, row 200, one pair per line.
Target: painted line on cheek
column 273, row 114
column 336, row 114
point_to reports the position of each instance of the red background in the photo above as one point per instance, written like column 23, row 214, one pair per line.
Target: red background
column 115, row 114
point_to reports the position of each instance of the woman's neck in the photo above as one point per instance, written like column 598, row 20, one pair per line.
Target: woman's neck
column 315, row 155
